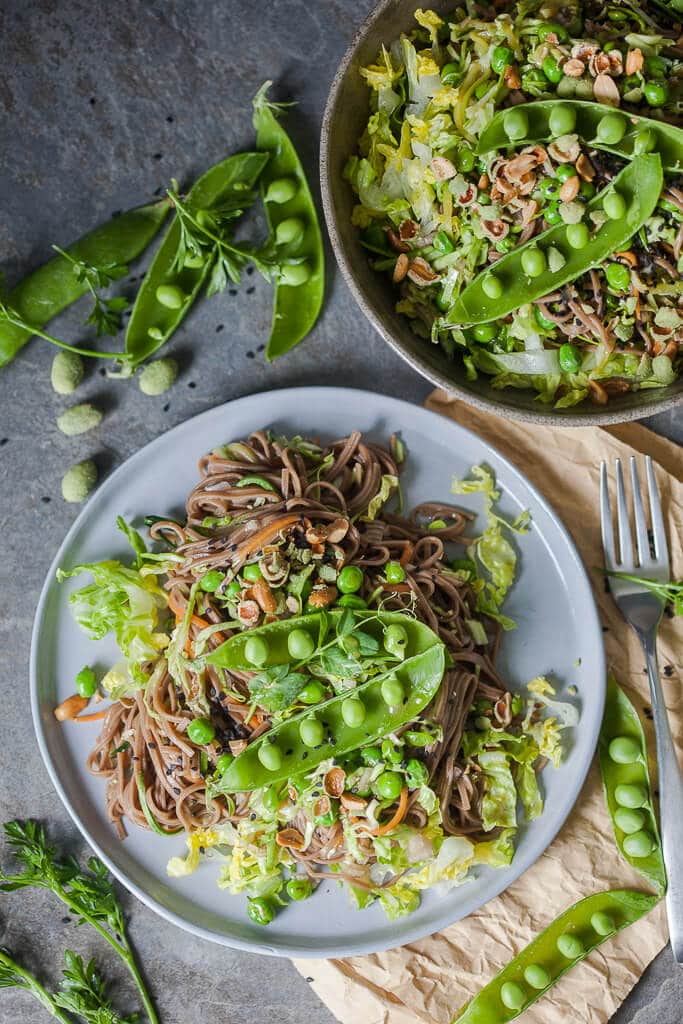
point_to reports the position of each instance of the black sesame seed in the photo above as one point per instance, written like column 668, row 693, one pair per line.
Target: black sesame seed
column 170, row 119
column 250, row 354
column 232, row 291
column 261, row 348
column 668, row 671
column 219, row 328
column 176, row 791
column 252, row 816
column 250, row 291
column 103, row 372
column 288, row 753
column 250, row 270
column 3, row 441
column 157, row 156
column 46, row 499
column 66, row 920
column 192, row 384
column 166, row 407
column 92, row 101
column 304, row 755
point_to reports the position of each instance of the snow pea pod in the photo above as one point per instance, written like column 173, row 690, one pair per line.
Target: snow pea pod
column 510, row 283
column 624, row 134
column 565, row 942
column 626, row 781
column 293, row 221
column 54, row 286
column 168, row 290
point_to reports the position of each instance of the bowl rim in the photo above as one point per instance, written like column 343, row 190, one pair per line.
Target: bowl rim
column 601, row 416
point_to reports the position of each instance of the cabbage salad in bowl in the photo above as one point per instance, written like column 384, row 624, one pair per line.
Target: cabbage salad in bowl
column 518, row 182
column 308, row 687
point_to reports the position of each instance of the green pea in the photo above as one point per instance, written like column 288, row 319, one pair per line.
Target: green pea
column 501, row 58
column 614, row 206
column 562, row 121
column 295, row 274
column 392, row 753
column 233, row 590
column 549, row 188
column 624, row 750
column 223, row 762
column 352, row 601
column 256, row 650
column 417, row 773
column 611, row 129
column 504, row 245
column 193, row 260
column 370, row 755
column 450, row 73
column 170, row 295
column 350, row 579
column 483, row 333
column 442, row 303
column 281, row 190
column 484, row 199
column 618, row 276
column 289, row 231
column 201, row 730
column 392, row 692
column 300, row 644
column 578, row 235
column 656, row 93
column 395, row 640
column 394, row 572
column 536, row 976
column 516, row 124
column 628, row 820
column 465, row 159
column 602, row 923
column 512, row 995
column 492, row 286
column 442, row 243
column 86, row 683
column 312, row 693
column 353, row 712
column 389, row 785
column 552, row 215
column 260, row 911
column 631, row 796
column 210, row 581
column 570, row 946
column 559, row 31
column 570, row 360
column 271, row 798
column 311, row 732
column 534, row 262
column 644, row 142
column 270, row 756
column 543, row 320
column 639, row 844
column 587, row 189
column 565, row 171
column 252, row 572
column 655, row 67
column 299, row 888
column 551, row 69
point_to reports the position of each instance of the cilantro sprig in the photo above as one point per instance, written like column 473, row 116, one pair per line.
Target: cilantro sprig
column 106, row 313
column 670, row 593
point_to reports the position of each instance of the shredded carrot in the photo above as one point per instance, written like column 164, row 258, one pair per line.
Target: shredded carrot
column 93, row 717
column 264, row 535
column 628, row 257
column 398, row 816
column 197, row 620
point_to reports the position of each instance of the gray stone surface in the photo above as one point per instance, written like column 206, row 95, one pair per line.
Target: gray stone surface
column 100, row 104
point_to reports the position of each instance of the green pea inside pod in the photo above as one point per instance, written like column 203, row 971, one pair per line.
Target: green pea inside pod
column 353, row 712
column 629, row 819
column 512, row 995
column 392, row 691
column 300, row 644
column 170, row 296
column 516, row 124
column 492, row 286
column 639, row 844
column 537, row 976
column 602, row 923
column 270, row 756
column 624, row 750
column 611, row 129
column 289, row 231
column 193, row 260
column 562, row 120
column 295, row 274
column 281, row 190
column 256, row 650
column 578, row 235
column 311, row 732
column 570, row 946
column 395, row 641
column 631, row 796
column 644, row 142
column 614, row 206
column 534, row 262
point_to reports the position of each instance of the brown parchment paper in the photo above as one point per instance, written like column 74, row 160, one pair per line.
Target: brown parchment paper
column 429, row 980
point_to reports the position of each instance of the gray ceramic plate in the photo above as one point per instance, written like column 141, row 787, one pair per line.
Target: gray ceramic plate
column 558, row 633
column 346, row 115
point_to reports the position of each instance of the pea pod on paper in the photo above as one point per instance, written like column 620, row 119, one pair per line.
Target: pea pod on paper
column 293, row 220
column 529, row 271
column 54, row 285
column 624, row 134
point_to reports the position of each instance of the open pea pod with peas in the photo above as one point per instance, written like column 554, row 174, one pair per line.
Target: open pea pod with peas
column 564, row 252
column 624, row 134
column 351, row 719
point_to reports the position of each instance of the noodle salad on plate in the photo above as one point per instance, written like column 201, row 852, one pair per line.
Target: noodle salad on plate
column 308, row 688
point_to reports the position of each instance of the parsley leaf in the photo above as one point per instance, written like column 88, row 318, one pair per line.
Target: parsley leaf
column 276, row 688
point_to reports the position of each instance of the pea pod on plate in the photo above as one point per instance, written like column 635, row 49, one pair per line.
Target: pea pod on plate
column 626, row 780
column 564, row 252
column 293, row 221
column 168, row 290
column 625, row 134
column 564, row 943
column 54, row 286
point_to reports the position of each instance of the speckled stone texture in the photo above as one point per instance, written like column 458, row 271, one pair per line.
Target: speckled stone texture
column 100, row 105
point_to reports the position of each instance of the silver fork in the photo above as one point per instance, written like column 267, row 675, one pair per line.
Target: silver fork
column 643, row 611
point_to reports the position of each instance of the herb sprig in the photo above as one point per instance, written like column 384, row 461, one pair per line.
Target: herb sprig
column 88, row 894
column 670, row 593
column 106, row 313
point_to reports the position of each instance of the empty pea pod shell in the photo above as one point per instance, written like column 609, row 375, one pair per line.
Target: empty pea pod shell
column 621, row 720
column 664, row 139
column 54, row 286
column 419, row 675
column 231, row 178
column 639, row 183
column 296, row 305
column 623, row 906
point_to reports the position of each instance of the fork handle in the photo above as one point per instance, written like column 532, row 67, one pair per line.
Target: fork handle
column 670, row 800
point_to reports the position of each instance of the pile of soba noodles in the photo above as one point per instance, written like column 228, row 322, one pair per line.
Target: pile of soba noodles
column 268, row 530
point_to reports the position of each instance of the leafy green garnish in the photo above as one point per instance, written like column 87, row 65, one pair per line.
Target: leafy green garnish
column 670, row 593
column 106, row 313
column 83, row 991
column 276, row 688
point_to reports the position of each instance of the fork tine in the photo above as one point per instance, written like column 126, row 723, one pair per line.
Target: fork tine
column 642, row 539
column 606, row 520
column 623, row 525
column 658, row 531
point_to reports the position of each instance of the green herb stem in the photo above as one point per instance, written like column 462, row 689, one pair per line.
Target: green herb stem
column 13, row 975
column 9, row 316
